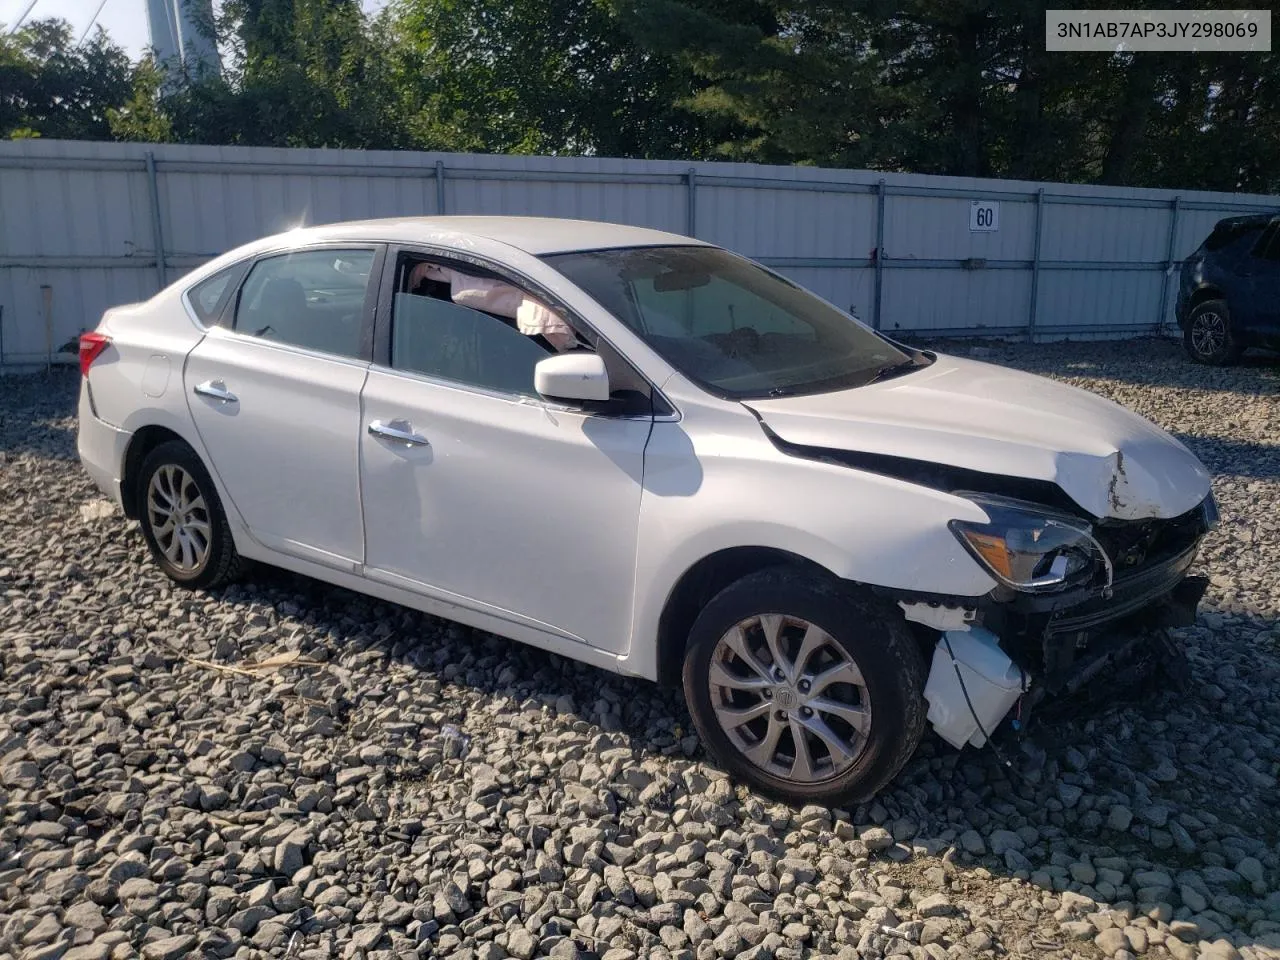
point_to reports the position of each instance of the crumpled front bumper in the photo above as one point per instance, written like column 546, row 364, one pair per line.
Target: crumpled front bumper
column 1063, row 641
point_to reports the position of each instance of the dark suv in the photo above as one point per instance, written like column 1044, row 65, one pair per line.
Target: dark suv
column 1229, row 290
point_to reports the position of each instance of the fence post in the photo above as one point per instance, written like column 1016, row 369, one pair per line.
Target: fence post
column 880, row 192
column 1035, row 269
column 157, row 223
column 439, row 187
column 1168, row 262
column 691, row 212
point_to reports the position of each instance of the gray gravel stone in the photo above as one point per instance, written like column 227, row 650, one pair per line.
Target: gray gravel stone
column 522, row 944
column 973, row 843
column 1119, row 817
column 170, row 948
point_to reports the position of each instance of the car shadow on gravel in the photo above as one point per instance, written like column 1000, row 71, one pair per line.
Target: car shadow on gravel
column 1236, row 457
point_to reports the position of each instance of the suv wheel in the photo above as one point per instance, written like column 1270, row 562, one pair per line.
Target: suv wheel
column 1208, row 337
column 182, row 518
column 804, row 689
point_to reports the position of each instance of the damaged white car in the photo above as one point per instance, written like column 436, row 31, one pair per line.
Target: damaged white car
column 653, row 455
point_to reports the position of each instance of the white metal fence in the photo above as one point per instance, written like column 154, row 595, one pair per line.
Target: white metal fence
column 84, row 226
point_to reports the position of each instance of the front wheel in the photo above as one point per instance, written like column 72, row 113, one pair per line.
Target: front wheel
column 803, row 688
column 1208, row 337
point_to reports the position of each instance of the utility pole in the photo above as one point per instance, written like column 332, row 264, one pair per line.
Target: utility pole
column 182, row 34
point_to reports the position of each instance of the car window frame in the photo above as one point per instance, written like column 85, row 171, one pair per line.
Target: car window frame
column 226, row 316
column 661, row 408
column 238, row 270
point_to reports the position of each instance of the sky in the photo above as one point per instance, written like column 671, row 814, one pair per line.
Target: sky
column 124, row 20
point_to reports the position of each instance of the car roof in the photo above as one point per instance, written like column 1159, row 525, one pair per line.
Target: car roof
column 1245, row 220
column 533, row 235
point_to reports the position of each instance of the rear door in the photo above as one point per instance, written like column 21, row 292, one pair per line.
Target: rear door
column 275, row 395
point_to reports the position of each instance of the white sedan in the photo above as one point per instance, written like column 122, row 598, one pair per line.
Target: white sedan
column 653, row 455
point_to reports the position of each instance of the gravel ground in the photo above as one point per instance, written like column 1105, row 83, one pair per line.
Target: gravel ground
column 286, row 769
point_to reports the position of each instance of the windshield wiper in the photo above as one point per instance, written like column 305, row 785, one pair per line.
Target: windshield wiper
column 894, row 370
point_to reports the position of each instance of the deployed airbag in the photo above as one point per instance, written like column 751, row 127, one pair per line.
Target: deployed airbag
column 533, row 317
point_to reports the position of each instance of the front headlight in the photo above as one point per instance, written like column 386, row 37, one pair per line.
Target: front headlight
column 1030, row 548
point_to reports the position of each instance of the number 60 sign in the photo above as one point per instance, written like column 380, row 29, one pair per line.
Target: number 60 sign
column 984, row 215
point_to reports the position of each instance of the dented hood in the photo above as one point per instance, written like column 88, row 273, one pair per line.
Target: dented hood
column 979, row 416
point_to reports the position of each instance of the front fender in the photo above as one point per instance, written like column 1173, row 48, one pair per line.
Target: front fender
column 734, row 492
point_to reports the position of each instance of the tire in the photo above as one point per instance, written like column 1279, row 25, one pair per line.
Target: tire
column 866, row 633
column 1208, row 336
column 200, row 552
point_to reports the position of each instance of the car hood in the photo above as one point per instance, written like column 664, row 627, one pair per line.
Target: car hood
column 978, row 416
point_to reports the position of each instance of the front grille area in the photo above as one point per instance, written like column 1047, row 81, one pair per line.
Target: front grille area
column 1134, row 545
column 1129, row 594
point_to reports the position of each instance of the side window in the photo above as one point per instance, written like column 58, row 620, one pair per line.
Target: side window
column 433, row 335
column 464, row 325
column 1268, row 245
column 312, row 299
column 206, row 295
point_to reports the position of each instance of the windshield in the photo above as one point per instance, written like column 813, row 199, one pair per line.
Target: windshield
column 729, row 324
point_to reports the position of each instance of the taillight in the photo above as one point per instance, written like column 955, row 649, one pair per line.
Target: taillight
column 91, row 347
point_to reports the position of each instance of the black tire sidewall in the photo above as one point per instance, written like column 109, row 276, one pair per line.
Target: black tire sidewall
column 883, row 648
column 1230, row 350
column 222, row 554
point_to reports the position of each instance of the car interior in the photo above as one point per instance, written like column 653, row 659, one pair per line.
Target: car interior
column 432, row 334
column 312, row 298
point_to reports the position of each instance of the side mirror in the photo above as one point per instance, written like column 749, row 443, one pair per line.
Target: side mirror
column 572, row 376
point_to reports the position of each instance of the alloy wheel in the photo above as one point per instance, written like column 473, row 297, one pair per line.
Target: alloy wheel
column 789, row 698
column 179, row 518
column 1209, row 333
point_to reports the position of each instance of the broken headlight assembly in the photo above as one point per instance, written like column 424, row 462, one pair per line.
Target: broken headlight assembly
column 1031, row 548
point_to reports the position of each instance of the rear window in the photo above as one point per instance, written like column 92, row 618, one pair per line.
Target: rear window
column 206, row 296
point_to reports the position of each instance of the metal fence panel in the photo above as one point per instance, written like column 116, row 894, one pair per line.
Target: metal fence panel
column 787, row 223
column 937, row 228
column 948, row 300
column 1112, row 233
column 100, row 224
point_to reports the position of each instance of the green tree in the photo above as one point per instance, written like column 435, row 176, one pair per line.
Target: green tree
column 302, row 73
column 536, row 76
column 142, row 117
column 963, row 87
column 779, row 82
column 52, row 87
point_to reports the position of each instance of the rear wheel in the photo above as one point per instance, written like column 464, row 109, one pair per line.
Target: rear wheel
column 182, row 518
column 804, row 689
column 1208, row 337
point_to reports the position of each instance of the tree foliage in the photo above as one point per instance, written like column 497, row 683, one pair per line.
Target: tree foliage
column 961, row 87
column 536, row 76
column 52, row 87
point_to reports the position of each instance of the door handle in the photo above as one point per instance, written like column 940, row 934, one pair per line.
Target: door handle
column 216, row 390
column 399, row 430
